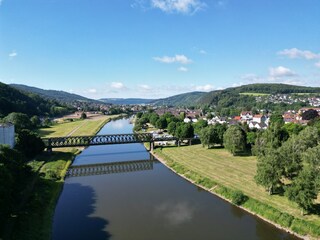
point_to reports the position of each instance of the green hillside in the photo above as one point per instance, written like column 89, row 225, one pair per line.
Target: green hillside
column 185, row 99
column 13, row 100
column 60, row 96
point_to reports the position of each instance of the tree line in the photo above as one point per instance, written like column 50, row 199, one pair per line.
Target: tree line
column 288, row 155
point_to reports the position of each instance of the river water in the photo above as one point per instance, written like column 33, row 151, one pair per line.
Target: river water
column 150, row 204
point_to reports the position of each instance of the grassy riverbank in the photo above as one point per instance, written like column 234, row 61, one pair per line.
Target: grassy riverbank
column 232, row 178
column 35, row 220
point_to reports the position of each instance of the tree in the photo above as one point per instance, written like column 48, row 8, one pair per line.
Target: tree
column 161, row 123
column 20, row 121
column 276, row 119
column 198, row 126
column 220, row 129
column 184, row 130
column 309, row 114
column 303, row 190
column 139, row 114
column 171, row 128
column 209, row 136
column 269, row 170
column 35, row 121
column 290, row 153
column 29, row 143
column 293, row 128
column 83, row 115
column 153, row 118
column 234, row 139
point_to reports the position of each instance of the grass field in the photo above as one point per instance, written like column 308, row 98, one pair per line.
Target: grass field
column 255, row 94
column 35, row 220
column 75, row 128
column 233, row 172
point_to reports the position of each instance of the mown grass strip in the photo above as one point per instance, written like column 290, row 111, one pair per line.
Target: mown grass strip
column 233, row 179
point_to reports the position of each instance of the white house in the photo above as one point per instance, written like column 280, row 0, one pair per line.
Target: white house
column 246, row 115
column 7, row 134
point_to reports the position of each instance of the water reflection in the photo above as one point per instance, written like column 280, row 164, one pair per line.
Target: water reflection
column 175, row 213
column 78, row 204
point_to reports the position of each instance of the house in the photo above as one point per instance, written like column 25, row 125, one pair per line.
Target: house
column 289, row 117
column 257, row 125
column 7, row 134
column 187, row 120
column 259, row 118
column 246, row 115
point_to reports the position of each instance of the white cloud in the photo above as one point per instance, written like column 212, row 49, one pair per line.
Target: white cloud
column 146, row 87
column 281, row 71
column 204, row 88
column 297, row 53
column 183, row 69
column 13, row 54
column 176, row 59
column 92, row 90
column 178, row 6
column 118, row 85
column 317, row 64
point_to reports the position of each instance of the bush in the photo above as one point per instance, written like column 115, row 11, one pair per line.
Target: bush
column 238, row 198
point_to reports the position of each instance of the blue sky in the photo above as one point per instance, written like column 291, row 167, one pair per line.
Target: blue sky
column 158, row 48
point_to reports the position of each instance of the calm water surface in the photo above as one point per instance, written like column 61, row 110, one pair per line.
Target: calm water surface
column 146, row 205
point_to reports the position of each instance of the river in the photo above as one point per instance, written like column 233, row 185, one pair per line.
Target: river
column 149, row 204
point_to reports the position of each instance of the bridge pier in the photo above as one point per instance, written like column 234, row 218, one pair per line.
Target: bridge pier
column 151, row 146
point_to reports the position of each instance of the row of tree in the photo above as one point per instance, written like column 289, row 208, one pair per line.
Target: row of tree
column 174, row 125
column 290, row 162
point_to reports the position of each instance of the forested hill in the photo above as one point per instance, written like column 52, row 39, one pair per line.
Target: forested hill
column 126, row 101
column 61, row 96
column 185, row 99
column 13, row 100
column 231, row 96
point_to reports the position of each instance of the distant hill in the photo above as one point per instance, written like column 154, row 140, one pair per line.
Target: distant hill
column 60, row 96
column 185, row 99
column 231, row 96
column 13, row 100
column 126, row 101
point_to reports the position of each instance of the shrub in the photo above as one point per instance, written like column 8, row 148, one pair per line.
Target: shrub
column 238, row 198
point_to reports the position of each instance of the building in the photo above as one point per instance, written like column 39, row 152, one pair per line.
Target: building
column 7, row 134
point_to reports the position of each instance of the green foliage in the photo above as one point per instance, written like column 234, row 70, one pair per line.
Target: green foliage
column 20, row 121
column 212, row 135
column 184, row 130
column 268, row 212
column 13, row 100
column 234, row 139
column 139, row 115
column 303, row 190
column 276, row 119
column 13, row 175
column 305, row 227
column 29, row 143
column 309, row 114
column 83, row 115
column 238, row 198
column 161, row 123
column 171, row 128
column 269, row 170
column 201, row 124
column 293, row 128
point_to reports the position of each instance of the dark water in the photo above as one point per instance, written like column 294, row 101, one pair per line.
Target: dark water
column 150, row 204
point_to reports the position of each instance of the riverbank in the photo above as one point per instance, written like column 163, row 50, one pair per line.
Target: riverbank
column 233, row 184
column 35, row 220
